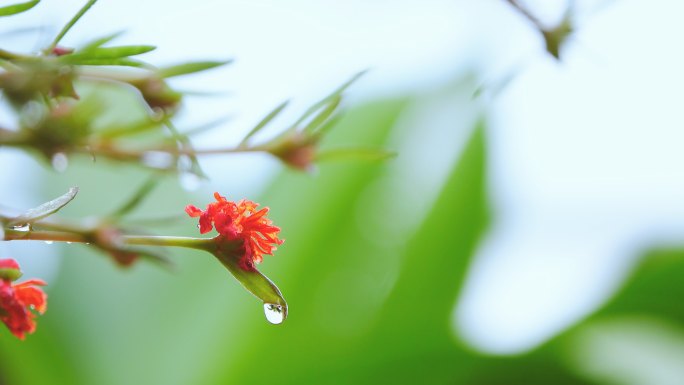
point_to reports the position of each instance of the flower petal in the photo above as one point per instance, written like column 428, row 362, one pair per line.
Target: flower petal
column 193, row 211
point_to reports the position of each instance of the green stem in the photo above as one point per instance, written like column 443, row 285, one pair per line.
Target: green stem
column 207, row 244
column 526, row 13
column 55, row 236
column 7, row 55
column 126, row 154
column 13, row 138
column 70, row 24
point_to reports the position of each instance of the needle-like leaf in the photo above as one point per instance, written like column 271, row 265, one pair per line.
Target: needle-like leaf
column 190, row 68
column 44, row 210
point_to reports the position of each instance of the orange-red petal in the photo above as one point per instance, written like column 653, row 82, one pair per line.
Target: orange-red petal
column 193, row 211
column 240, row 220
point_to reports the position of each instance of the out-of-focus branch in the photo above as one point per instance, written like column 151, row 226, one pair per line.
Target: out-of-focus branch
column 554, row 37
column 525, row 12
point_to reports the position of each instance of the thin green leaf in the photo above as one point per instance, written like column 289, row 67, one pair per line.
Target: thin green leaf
column 127, row 130
column 190, row 68
column 100, row 53
column 324, row 114
column 266, row 120
column 328, row 125
column 18, row 8
column 70, row 24
column 44, row 210
column 99, row 42
column 328, row 98
column 105, row 62
column 184, row 143
column 364, row 154
column 136, row 198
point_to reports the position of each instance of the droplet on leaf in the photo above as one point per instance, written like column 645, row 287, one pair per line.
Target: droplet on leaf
column 275, row 314
column 23, row 227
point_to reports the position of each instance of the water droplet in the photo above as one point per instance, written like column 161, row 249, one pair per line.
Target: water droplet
column 33, row 113
column 68, row 243
column 60, row 162
column 25, row 227
column 49, row 242
column 157, row 159
column 275, row 314
column 189, row 181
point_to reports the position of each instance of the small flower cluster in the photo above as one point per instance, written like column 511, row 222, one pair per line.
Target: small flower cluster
column 18, row 301
column 240, row 221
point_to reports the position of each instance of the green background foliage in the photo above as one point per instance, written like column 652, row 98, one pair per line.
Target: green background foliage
column 363, row 309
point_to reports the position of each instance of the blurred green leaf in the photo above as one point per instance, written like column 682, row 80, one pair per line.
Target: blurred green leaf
column 328, row 99
column 102, row 54
column 17, row 8
column 125, row 62
column 324, row 114
column 321, row 244
column 266, row 120
column 135, row 199
column 656, row 287
column 116, row 131
column 97, row 43
column 190, row 68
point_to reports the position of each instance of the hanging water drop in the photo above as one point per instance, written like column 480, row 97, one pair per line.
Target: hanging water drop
column 157, row 159
column 189, row 181
column 49, row 242
column 33, row 113
column 23, row 228
column 275, row 314
column 60, row 162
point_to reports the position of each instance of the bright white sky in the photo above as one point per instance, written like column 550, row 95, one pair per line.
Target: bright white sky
column 586, row 166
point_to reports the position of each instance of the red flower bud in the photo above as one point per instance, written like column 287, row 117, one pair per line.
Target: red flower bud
column 18, row 300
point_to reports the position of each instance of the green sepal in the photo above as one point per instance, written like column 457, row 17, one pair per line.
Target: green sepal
column 9, row 274
column 252, row 280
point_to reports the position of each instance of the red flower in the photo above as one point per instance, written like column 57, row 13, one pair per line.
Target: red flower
column 240, row 221
column 18, row 300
